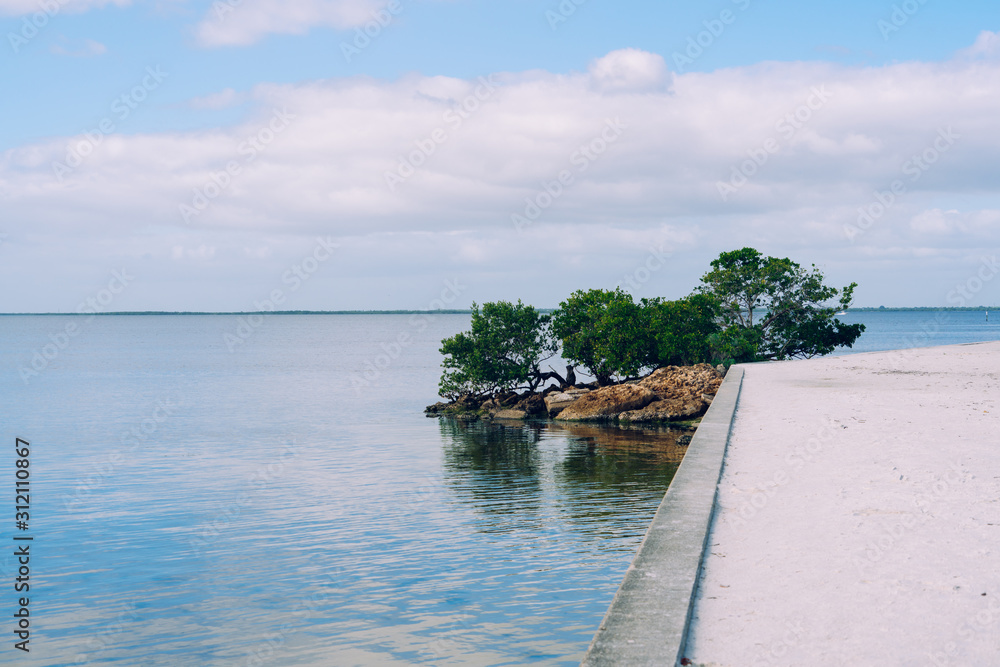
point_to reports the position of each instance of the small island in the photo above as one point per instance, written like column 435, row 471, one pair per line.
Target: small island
column 654, row 361
column 677, row 395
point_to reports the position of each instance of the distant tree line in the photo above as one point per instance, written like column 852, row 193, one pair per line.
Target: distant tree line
column 748, row 308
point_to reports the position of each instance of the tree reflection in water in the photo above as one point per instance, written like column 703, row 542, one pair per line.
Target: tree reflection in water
column 496, row 468
column 603, row 481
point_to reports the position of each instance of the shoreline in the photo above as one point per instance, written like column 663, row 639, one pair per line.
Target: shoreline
column 858, row 309
column 852, row 510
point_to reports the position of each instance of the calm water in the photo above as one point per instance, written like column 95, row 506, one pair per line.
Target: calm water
column 895, row 330
column 193, row 505
column 196, row 506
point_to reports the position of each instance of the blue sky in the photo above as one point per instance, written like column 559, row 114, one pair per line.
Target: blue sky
column 696, row 115
column 53, row 93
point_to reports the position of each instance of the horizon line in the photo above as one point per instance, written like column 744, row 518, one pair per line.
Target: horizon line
column 421, row 312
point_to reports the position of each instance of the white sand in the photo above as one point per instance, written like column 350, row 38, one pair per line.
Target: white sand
column 859, row 515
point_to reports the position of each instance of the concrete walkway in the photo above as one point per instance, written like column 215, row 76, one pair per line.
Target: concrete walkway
column 858, row 516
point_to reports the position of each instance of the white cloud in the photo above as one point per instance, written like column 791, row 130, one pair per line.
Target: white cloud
column 630, row 71
column 23, row 7
column 987, row 45
column 85, row 49
column 251, row 20
column 221, row 100
column 492, row 148
column 980, row 227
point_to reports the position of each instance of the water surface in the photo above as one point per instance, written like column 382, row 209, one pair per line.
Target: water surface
column 194, row 505
column 283, row 500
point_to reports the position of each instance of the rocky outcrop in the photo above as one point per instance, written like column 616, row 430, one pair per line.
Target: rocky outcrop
column 683, row 381
column 607, row 403
column 558, row 401
column 672, row 393
column 508, row 414
column 674, row 409
column 533, row 405
column 463, row 404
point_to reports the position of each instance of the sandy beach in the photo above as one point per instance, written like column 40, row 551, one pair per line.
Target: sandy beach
column 858, row 518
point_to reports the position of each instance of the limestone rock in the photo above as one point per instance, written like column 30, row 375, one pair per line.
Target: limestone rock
column 683, row 381
column 557, row 402
column 607, row 403
column 672, row 409
column 509, row 414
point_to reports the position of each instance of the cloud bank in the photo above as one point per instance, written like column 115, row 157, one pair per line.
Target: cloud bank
column 25, row 7
column 244, row 22
column 871, row 169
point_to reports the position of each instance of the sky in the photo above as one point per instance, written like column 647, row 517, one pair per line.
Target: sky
column 237, row 155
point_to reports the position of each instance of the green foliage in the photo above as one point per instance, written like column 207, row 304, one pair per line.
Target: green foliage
column 748, row 308
column 500, row 353
column 604, row 331
column 681, row 331
column 793, row 322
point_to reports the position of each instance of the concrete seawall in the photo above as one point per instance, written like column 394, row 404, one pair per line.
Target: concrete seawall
column 856, row 522
column 648, row 618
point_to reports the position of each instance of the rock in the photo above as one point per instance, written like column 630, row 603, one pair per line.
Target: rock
column 509, row 414
column 468, row 402
column 721, row 369
column 672, row 409
column 683, row 381
column 684, row 440
column 607, row 403
column 532, row 405
column 668, row 394
column 463, row 404
column 556, row 403
column 507, row 400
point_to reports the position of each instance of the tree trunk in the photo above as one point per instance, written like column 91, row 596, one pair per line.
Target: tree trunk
column 570, row 377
